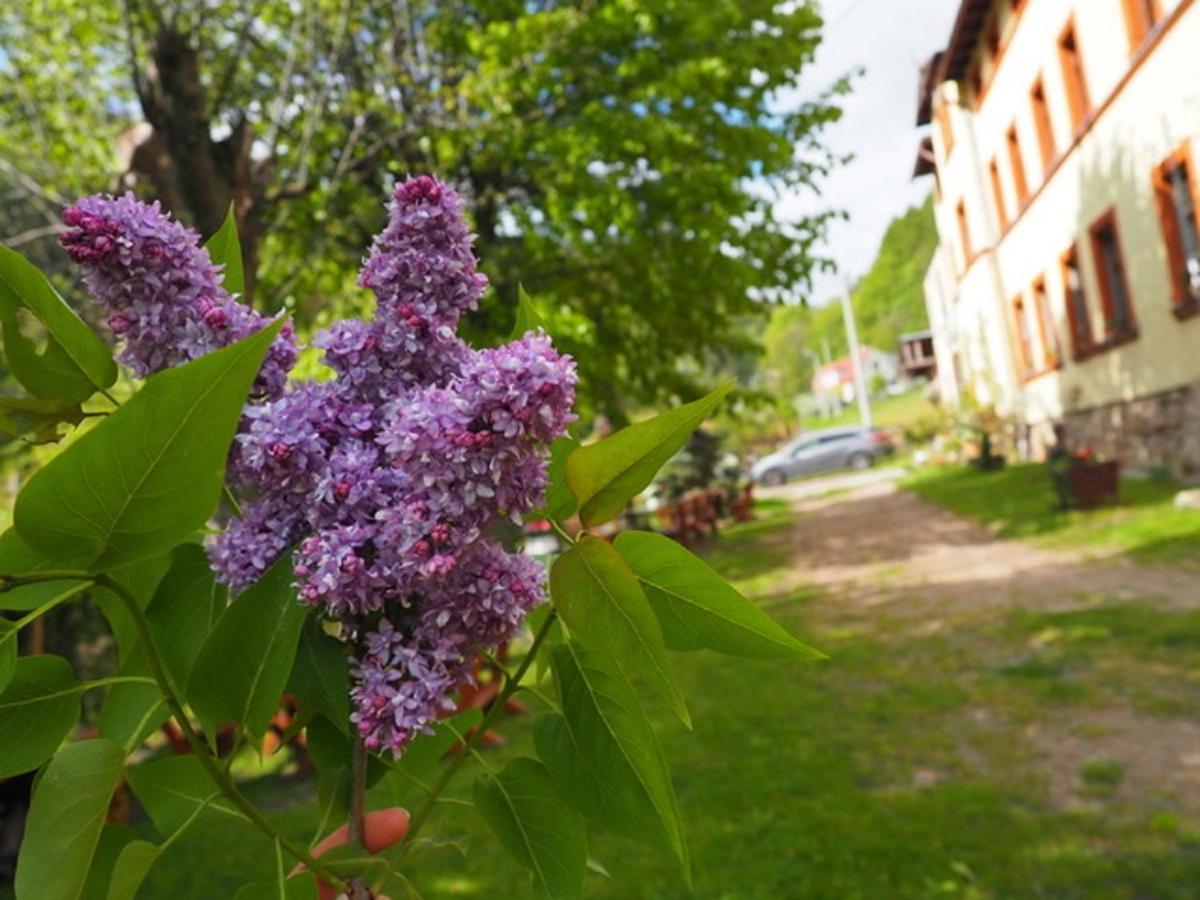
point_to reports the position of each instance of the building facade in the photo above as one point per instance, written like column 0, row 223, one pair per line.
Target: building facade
column 1063, row 139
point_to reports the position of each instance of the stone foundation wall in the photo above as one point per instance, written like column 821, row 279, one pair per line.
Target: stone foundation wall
column 1159, row 431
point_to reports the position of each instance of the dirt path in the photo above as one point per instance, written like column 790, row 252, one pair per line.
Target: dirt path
column 875, row 545
column 891, row 565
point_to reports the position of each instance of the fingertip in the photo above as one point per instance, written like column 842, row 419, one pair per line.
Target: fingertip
column 384, row 827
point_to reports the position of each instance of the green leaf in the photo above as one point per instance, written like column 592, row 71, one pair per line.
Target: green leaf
column 526, row 810
column 75, row 362
column 603, row 753
column 38, row 709
column 172, row 788
column 528, row 318
column 113, row 839
column 697, row 608
column 18, row 558
column 65, row 818
column 599, row 598
column 320, row 675
column 560, row 502
column 148, row 475
column 299, row 887
column 36, row 419
column 415, row 771
column 8, row 652
column 243, row 667
column 330, row 749
column 225, row 249
column 183, row 611
column 132, row 711
column 29, row 597
column 131, row 868
column 606, row 475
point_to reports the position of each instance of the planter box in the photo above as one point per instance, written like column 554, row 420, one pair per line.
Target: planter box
column 1094, row 484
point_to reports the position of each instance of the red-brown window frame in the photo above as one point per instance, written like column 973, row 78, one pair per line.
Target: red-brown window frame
column 1083, row 343
column 1108, row 219
column 1042, row 124
column 1017, row 164
column 1040, row 295
column 1070, row 59
column 998, row 193
column 1140, row 20
column 1182, row 301
column 1024, row 349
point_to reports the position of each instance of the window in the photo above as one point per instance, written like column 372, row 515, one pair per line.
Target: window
column 1077, row 306
column 943, row 117
column 1046, row 329
column 1018, row 167
column 1041, row 121
column 1024, row 336
column 1078, row 100
column 964, row 233
column 1175, row 189
column 998, row 194
column 1140, row 17
column 1111, row 275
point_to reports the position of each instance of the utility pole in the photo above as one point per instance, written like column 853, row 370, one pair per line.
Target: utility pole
column 860, row 383
column 835, row 402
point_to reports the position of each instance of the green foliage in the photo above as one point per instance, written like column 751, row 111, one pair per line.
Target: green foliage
column 148, row 475
column 243, row 666
column 172, row 789
column 75, row 362
column 70, row 803
column 115, row 515
column 320, row 676
column 610, row 149
column 604, row 754
column 528, row 318
column 131, row 868
column 530, row 817
column 606, row 475
column 600, row 600
column 38, row 709
column 225, row 249
column 697, row 608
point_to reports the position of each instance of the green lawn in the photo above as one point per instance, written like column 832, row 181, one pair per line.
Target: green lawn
column 888, row 412
column 1019, row 501
column 903, row 767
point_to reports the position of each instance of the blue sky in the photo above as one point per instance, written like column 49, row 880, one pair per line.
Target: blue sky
column 889, row 39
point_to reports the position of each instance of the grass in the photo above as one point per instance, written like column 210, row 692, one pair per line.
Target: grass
column 903, row 767
column 890, row 412
column 1019, row 501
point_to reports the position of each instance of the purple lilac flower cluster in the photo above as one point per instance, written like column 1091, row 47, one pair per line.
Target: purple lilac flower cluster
column 387, row 476
column 160, row 290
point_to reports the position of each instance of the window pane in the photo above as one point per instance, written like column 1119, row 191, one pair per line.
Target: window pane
column 1185, row 219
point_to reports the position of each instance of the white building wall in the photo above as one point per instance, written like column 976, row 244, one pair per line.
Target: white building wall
column 1143, row 110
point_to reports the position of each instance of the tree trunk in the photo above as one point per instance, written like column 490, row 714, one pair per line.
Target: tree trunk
column 192, row 175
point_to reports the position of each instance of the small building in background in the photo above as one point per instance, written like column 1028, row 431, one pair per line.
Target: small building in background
column 918, row 360
column 1063, row 140
column 836, row 379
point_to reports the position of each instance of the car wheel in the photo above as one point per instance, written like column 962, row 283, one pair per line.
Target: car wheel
column 774, row 478
column 860, row 461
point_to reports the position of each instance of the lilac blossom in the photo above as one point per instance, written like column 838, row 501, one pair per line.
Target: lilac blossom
column 160, row 290
column 385, row 479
